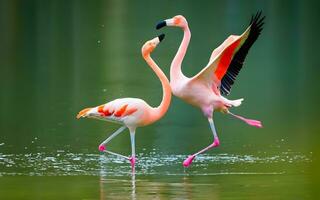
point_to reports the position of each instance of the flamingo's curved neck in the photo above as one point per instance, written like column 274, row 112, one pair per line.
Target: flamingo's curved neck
column 175, row 70
column 158, row 112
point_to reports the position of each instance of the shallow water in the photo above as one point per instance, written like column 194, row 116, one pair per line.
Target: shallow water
column 93, row 176
column 153, row 163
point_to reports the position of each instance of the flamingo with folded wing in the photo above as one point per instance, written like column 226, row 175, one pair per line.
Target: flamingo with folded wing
column 132, row 112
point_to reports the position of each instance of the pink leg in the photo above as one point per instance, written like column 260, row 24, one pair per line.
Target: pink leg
column 132, row 159
column 116, row 154
column 187, row 162
column 251, row 122
column 102, row 145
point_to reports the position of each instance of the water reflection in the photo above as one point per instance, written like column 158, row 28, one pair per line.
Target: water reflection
column 133, row 181
column 104, row 182
column 179, row 186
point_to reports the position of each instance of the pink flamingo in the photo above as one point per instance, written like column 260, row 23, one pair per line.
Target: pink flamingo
column 133, row 112
column 205, row 88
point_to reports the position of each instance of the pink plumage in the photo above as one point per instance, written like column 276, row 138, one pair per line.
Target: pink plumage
column 132, row 112
column 205, row 89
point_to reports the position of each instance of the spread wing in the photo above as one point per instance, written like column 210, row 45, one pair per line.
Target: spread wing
column 227, row 60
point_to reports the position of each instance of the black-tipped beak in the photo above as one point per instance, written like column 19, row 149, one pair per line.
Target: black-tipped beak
column 161, row 24
column 161, row 37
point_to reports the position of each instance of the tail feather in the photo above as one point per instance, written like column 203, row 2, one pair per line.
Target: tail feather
column 236, row 103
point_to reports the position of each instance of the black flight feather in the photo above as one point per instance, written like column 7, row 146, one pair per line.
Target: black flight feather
column 239, row 57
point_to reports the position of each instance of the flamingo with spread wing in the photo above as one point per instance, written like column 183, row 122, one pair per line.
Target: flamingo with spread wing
column 205, row 89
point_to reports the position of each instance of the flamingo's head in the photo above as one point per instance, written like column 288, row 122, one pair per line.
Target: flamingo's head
column 178, row 21
column 150, row 45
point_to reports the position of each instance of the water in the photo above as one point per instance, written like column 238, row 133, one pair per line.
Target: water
column 152, row 163
column 157, row 176
column 59, row 57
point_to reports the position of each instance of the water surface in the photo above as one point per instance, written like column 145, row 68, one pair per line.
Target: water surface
column 93, row 176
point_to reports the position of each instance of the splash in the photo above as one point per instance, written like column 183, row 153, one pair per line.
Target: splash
column 72, row 164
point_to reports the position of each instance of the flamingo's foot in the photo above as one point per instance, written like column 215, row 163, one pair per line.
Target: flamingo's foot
column 187, row 162
column 254, row 123
column 102, row 147
column 251, row 122
column 132, row 160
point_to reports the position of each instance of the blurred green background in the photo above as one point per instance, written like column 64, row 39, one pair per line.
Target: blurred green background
column 58, row 57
